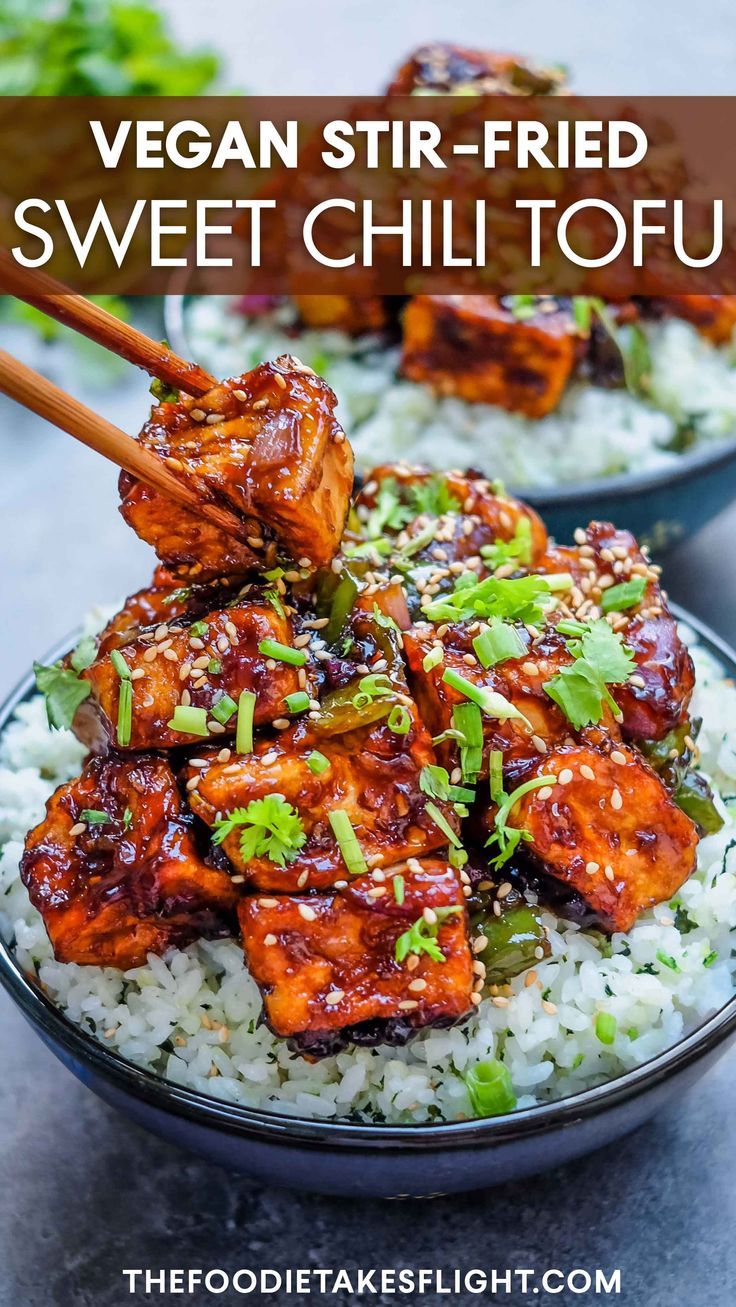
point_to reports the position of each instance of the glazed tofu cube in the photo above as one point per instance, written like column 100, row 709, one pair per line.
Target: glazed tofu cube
column 475, row 346
column 266, row 444
column 114, row 869
column 327, row 964
column 606, row 827
column 203, row 665
column 655, row 700
column 471, row 514
column 372, row 774
column 535, row 723
column 355, row 314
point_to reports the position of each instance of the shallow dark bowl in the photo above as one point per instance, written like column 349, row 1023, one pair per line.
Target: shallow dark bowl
column 362, row 1160
column 661, row 507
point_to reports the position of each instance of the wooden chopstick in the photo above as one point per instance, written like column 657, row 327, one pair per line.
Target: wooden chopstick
column 57, row 301
column 41, row 396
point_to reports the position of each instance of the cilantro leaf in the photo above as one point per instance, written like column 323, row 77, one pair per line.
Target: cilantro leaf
column 506, row 837
column 422, row 936
column 581, row 690
column 433, row 497
column 271, row 828
column 389, row 513
column 84, row 654
column 63, row 692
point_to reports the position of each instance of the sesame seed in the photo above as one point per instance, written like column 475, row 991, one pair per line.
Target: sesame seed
column 232, row 630
column 78, row 828
column 539, row 744
column 587, row 772
column 545, row 793
column 412, row 962
column 479, row 944
column 408, row 1005
column 377, row 892
column 198, row 414
column 616, row 800
column 416, row 986
column 499, row 1001
column 185, row 699
column 539, row 952
column 430, row 916
column 150, row 654
column 300, row 641
column 334, row 997
column 195, row 642
column 241, row 395
column 223, row 755
column 548, row 1007
column 504, row 890
column 592, row 868
column 268, row 903
column 307, row 913
column 213, row 418
column 529, row 979
column 138, row 674
column 496, row 908
column 479, row 967
column 638, row 681
column 184, row 671
column 302, row 879
column 172, row 655
column 280, row 380
column 193, row 782
column 175, row 464
column 269, row 940
column 608, row 873
column 216, row 728
column 280, row 723
column 565, row 776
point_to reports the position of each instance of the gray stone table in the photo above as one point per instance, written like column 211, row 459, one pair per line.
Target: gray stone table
column 84, row 1194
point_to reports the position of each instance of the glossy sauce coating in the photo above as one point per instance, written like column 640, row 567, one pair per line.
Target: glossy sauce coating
column 327, row 962
column 268, row 445
column 113, row 892
column 373, row 776
column 165, row 665
column 608, row 828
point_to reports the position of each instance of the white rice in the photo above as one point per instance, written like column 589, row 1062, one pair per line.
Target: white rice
column 154, row 1014
column 595, row 432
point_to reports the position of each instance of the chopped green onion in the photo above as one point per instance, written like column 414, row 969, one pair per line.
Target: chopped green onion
column 189, row 721
column 433, row 658
column 418, row 542
column 94, row 816
column 495, row 763
column 606, row 1026
column 619, row 597
column 439, row 820
column 399, row 885
column 399, row 720
column 283, row 653
column 666, row 960
column 489, row 1088
column 120, row 665
column 297, row 702
column 198, row 629
column 457, row 857
column 125, row 713
column 571, row 628
column 317, row 763
column 244, row 727
column 559, row 581
column 489, row 701
column 498, row 643
column 342, row 829
column 274, row 599
column 710, row 959
column 466, row 719
column 214, row 666
column 127, row 819
column 223, row 709
column 374, row 686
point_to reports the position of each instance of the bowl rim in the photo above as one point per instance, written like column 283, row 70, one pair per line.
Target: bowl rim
column 624, row 485
column 200, row 1109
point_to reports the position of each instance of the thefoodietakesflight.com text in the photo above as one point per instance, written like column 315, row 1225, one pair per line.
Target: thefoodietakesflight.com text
column 265, row 1284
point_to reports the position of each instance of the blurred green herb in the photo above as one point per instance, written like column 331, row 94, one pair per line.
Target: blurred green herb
column 94, row 47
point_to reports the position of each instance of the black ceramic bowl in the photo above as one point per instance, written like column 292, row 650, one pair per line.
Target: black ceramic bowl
column 363, row 1160
column 661, row 507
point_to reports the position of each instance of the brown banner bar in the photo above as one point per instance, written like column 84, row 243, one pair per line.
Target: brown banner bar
column 393, row 195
